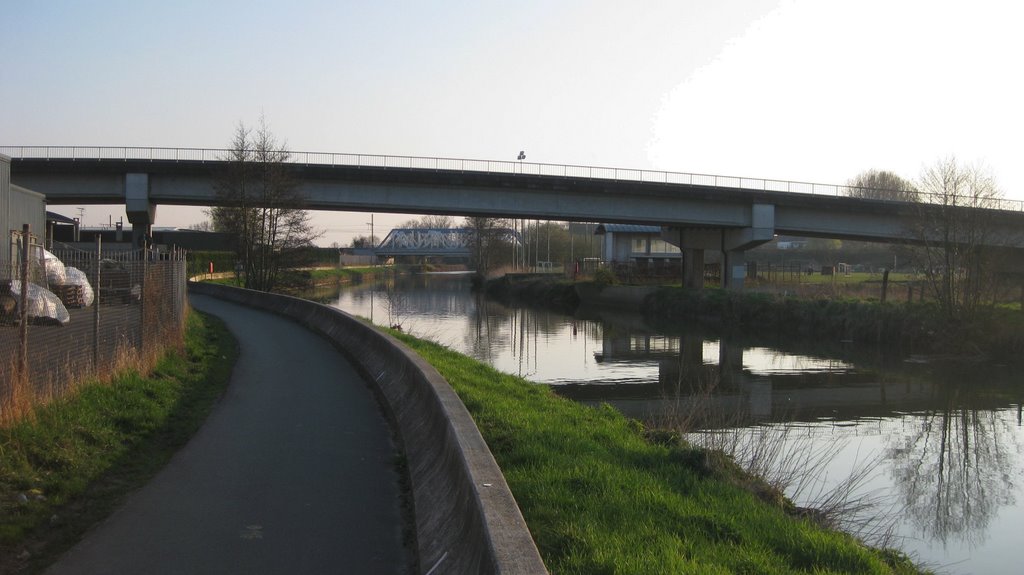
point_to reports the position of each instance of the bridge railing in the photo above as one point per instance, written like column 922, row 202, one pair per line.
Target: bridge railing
column 85, row 153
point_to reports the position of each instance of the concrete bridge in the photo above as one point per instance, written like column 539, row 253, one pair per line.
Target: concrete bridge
column 697, row 212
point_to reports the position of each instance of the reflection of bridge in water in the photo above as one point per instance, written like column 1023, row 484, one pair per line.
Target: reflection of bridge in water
column 753, row 383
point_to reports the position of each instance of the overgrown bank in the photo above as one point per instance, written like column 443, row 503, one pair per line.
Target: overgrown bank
column 553, row 293
column 997, row 333
column 602, row 495
column 71, row 463
column 919, row 327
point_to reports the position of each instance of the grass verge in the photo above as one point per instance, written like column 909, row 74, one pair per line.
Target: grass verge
column 602, row 495
column 70, row 463
column 292, row 279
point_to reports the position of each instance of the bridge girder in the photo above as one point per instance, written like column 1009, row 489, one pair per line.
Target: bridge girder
column 735, row 216
column 404, row 190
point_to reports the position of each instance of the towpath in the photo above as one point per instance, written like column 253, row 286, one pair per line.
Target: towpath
column 293, row 472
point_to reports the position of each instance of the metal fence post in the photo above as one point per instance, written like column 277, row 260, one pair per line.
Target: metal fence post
column 96, row 307
column 142, row 300
column 23, row 327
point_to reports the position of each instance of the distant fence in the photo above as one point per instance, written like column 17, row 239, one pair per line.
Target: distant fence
column 646, row 270
column 85, row 314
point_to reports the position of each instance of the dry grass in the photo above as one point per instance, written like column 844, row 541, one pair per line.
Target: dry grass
column 24, row 390
column 789, row 463
column 16, row 397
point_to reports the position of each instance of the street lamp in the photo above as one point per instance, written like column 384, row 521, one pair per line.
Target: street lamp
column 521, row 157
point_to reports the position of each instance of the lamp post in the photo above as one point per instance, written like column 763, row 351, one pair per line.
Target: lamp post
column 373, row 245
column 521, row 157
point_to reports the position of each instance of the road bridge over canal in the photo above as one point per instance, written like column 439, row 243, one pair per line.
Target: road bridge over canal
column 697, row 212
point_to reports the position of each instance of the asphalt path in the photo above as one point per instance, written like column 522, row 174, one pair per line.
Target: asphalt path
column 293, row 472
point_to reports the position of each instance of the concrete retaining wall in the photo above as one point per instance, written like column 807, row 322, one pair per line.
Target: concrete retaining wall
column 466, row 518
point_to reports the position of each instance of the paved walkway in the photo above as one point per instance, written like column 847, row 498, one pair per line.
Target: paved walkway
column 293, row 472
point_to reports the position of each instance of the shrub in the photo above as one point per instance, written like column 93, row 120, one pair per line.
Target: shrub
column 604, row 277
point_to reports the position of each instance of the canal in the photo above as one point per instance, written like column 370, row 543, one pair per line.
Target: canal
column 930, row 455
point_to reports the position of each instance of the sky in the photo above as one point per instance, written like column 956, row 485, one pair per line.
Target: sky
column 804, row 90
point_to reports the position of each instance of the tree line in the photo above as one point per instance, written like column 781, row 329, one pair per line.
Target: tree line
column 950, row 231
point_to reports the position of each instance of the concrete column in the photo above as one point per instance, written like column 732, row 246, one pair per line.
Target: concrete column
column 693, row 268
column 141, row 213
column 734, row 269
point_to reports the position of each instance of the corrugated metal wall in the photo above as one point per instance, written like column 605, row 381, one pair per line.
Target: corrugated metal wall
column 5, row 211
column 18, row 206
column 28, row 207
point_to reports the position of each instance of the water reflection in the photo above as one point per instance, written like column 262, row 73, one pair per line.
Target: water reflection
column 957, row 466
column 950, row 443
column 754, row 384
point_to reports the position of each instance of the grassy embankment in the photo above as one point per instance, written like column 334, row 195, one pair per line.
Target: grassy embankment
column 602, row 495
column 72, row 461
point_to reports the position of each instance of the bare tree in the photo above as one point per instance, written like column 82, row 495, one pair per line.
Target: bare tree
column 364, row 241
column 953, row 227
column 203, row 226
column 489, row 247
column 437, row 222
column 882, row 185
column 260, row 206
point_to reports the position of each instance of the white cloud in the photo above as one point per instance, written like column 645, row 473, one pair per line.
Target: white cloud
column 823, row 90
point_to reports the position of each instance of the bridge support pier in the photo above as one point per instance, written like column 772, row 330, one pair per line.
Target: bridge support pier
column 141, row 213
column 732, row 243
column 734, row 269
column 693, row 268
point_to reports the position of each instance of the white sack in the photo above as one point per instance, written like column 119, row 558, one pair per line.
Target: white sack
column 55, row 272
column 42, row 303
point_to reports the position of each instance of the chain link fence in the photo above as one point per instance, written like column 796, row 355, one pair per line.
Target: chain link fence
column 82, row 314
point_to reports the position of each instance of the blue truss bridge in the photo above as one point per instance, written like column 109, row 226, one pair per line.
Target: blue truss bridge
column 436, row 242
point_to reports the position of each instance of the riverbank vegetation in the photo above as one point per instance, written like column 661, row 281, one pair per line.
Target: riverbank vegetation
column 294, row 280
column 72, row 461
column 909, row 327
column 317, row 277
column 603, row 495
column 549, row 291
column 912, row 327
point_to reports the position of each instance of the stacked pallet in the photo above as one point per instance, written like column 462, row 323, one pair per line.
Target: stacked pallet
column 70, row 295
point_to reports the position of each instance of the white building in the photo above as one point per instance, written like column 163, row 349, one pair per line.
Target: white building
column 628, row 243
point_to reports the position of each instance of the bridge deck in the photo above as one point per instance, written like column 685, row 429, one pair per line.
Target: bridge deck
column 348, row 182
